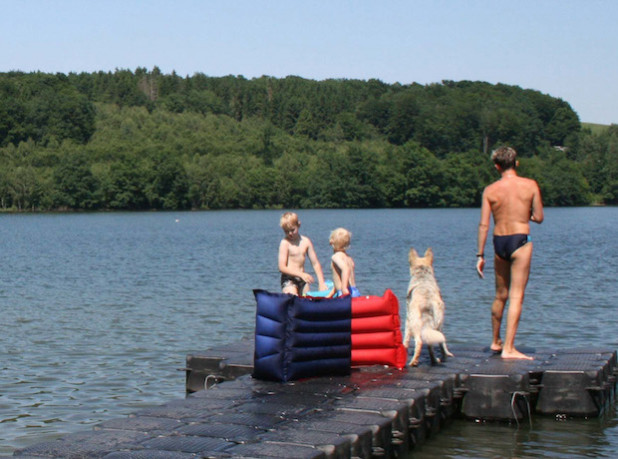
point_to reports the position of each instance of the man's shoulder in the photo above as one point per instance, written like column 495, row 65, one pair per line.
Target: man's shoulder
column 491, row 187
column 530, row 181
column 514, row 181
column 527, row 184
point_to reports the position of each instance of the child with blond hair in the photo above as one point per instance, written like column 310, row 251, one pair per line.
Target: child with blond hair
column 342, row 264
column 293, row 250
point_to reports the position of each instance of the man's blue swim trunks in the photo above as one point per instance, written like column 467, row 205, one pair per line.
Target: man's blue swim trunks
column 504, row 246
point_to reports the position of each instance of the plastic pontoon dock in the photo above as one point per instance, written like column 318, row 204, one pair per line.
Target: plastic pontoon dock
column 376, row 411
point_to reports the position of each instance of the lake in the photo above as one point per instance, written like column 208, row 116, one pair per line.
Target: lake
column 98, row 311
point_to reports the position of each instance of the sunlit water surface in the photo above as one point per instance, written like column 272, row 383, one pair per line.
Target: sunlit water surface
column 98, row 311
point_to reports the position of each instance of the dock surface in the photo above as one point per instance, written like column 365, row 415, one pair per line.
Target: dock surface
column 376, row 411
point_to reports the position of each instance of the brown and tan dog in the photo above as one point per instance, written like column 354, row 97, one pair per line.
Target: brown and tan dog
column 425, row 308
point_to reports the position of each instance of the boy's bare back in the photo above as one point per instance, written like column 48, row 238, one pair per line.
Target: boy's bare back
column 342, row 265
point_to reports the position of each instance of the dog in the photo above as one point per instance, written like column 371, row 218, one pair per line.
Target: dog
column 425, row 309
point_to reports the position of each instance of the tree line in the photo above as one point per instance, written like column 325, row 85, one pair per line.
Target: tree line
column 137, row 140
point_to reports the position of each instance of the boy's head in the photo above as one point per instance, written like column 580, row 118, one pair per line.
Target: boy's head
column 505, row 157
column 340, row 239
column 289, row 221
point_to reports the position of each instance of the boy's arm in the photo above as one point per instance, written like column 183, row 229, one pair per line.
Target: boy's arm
column 317, row 267
column 283, row 258
column 344, row 270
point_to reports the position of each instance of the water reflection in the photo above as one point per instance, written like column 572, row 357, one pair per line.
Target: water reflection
column 548, row 437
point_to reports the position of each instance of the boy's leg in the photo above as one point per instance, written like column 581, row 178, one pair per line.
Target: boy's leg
column 502, row 270
column 520, row 272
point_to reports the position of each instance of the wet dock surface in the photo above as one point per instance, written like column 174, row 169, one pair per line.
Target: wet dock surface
column 376, row 411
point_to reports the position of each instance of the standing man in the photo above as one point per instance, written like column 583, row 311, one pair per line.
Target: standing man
column 513, row 201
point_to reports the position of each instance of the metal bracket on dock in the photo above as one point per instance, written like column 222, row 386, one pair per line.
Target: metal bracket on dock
column 526, row 397
column 212, row 380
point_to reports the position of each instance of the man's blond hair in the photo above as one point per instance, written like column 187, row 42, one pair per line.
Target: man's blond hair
column 340, row 238
column 505, row 157
column 289, row 220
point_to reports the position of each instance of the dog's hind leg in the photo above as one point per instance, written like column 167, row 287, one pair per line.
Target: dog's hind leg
column 418, row 345
column 445, row 351
column 432, row 355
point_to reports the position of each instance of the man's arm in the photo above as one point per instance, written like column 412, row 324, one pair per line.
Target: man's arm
column 482, row 234
column 536, row 213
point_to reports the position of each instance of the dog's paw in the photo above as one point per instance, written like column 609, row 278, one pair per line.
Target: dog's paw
column 413, row 363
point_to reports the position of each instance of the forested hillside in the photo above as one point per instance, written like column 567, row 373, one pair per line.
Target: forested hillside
column 145, row 140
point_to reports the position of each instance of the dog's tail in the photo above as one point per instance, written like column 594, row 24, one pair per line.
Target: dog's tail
column 432, row 337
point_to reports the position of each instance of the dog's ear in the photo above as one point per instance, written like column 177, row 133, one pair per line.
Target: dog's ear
column 412, row 255
column 429, row 255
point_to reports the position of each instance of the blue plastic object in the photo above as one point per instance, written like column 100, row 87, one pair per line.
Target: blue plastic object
column 322, row 293
column 298, row 337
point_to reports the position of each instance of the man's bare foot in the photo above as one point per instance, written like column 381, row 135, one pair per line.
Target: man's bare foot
column 496, row 347
column 515, row 354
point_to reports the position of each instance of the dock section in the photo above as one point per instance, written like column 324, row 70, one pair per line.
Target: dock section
column 376, row 411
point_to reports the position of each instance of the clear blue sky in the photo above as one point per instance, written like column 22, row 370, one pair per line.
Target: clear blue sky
column 565, row 48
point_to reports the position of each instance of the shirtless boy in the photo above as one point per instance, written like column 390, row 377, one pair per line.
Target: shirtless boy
column 513, row 201
column 293, row 250
column 342, row 264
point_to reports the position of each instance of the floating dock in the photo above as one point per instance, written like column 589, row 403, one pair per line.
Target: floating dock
column 376, row 411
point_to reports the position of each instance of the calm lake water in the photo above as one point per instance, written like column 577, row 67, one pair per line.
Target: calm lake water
column 98, row 311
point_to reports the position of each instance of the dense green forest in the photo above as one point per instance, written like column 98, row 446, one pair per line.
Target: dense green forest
column 141, row 139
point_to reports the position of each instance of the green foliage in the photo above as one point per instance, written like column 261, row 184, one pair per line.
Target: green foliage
column 598, row 155
column 561, row 181
column 145, row 140
column 595, row 128
column 43, row 108
column 74, row 185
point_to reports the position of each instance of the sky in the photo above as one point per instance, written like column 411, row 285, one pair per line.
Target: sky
column 565, row 48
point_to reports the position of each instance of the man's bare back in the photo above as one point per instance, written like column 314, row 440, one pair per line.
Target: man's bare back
column 512, row 202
